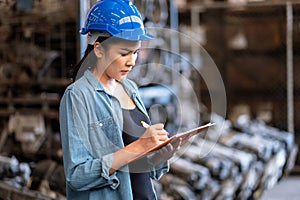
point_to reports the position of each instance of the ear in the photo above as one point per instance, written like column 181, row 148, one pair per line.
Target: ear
column 98, row 49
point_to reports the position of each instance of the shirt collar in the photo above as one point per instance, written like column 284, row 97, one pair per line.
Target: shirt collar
column 93, row 81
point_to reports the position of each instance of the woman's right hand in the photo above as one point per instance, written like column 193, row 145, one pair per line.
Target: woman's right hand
column 154, row 135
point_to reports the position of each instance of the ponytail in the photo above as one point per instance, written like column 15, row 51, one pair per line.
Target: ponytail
column 88, row 59
column 76, row 68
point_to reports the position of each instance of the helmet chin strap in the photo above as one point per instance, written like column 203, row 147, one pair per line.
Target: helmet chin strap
column 93, row 36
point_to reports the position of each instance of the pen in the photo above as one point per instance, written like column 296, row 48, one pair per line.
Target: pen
column 145, row 125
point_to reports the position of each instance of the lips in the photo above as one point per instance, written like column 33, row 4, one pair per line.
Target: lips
column 125, row 72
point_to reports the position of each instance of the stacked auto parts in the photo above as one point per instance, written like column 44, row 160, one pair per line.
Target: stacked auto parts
column 237, row 162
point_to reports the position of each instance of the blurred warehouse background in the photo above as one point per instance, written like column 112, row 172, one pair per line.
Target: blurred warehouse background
column 253, row 43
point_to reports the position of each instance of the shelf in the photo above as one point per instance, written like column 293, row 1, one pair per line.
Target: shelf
column 30, row 100
column 53, row 82
column 50, row 114
column 202, row 7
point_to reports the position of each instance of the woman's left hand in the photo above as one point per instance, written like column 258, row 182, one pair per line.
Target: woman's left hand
column 165, row 153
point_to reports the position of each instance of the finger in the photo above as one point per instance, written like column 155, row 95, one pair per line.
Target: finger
column 177, row 143
column 163, row 132
column 169, row 147
column 158, row 126
column 163, row 137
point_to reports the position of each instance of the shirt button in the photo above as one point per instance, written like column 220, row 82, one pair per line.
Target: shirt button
column 100, row 124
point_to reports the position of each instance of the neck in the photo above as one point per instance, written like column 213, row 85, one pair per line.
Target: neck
column 108, row 83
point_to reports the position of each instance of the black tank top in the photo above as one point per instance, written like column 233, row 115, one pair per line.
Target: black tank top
column 139, row 172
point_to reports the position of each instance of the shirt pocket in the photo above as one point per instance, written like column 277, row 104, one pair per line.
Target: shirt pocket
column 104, row 134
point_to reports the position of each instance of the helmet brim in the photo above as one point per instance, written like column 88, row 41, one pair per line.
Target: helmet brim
column 133, row 35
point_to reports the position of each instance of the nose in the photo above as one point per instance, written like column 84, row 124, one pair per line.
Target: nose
column 131, row 59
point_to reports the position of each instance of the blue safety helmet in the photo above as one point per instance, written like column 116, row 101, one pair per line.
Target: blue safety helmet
column 119, row 18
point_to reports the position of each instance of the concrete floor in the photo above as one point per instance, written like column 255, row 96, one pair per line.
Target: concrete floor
column 287, row 188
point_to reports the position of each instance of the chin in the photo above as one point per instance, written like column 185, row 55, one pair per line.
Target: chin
column 121, row 78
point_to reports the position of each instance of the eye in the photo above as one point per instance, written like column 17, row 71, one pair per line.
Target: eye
column 129, row 52
column 124, row 54
column 137, row 51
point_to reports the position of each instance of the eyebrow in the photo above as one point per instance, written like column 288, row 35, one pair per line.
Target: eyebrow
column 126, row 49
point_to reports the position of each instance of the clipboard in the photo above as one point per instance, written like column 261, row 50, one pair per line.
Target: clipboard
column 185, row 136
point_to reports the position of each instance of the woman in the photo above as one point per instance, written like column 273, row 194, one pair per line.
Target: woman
column 100, row 113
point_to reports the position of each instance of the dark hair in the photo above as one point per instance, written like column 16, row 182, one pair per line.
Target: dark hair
column 90, row 61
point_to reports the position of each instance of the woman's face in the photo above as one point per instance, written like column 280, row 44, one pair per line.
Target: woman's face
column 119, row 59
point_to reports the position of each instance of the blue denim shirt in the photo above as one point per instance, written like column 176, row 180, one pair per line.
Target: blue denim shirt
column 91, row 131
